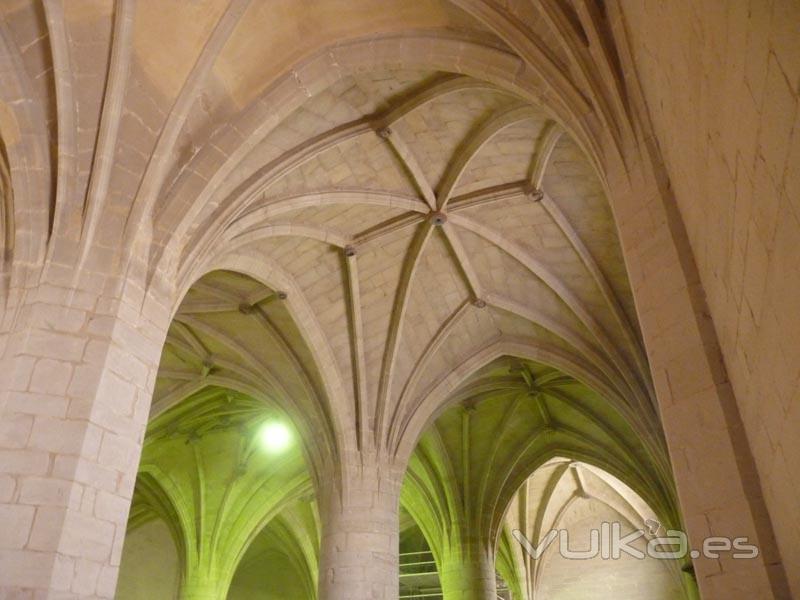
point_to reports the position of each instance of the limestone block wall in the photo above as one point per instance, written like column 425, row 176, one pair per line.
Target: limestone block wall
column 77, row 373
column 721, row 81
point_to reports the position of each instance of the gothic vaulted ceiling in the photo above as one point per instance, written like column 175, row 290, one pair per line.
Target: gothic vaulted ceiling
column 360, row 204
column 358, row 212
column 412, row 226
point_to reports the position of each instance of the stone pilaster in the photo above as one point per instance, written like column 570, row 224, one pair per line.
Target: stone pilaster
column 78, row 371
column 717, row 481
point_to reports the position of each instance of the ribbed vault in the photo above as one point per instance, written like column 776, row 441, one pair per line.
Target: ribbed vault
column 205, row 475
column 232, row 332
column 567, row 494
column 400, row 241
column 513, row 417
column 412, row 220
column 349, row 211
column 291, row 538
column 419, row 179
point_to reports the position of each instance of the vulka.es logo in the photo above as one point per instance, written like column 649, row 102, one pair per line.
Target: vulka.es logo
column 609, row 544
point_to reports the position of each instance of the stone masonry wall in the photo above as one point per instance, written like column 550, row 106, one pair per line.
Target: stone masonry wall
column 721, row 81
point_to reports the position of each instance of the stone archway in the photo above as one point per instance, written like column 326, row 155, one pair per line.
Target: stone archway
column 147, row 187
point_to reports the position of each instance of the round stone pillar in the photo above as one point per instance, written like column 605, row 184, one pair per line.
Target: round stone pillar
column 359, row 553
column 468, row 573
column 203, row 587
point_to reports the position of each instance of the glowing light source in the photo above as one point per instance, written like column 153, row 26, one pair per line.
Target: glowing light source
column 275, row 436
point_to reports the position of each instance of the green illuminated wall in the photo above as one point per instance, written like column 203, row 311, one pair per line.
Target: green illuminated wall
column 219, row 511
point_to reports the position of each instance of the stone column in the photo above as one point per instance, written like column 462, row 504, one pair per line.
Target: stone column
column 204, row 586
column 467, row 572
column 78, row 366
column 359, row 552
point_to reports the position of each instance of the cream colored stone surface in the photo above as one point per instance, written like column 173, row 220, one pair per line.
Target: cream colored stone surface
column 571, row 496
column 734, row 172
column 347, row 209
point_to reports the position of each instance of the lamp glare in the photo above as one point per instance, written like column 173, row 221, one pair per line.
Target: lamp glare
column 275, row 437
